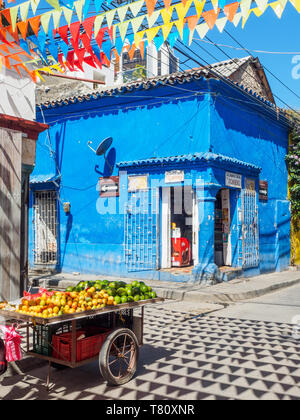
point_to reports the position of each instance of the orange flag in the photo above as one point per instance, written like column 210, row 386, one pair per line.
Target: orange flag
column 4, row 48
column 35, row 24
column 132, row 51
column 150, row 6
column 230, row 10
column 6, row 14
column 167, row 4
column 192, row 22
column 211, row 17
column 14, row 34
column 23, row 26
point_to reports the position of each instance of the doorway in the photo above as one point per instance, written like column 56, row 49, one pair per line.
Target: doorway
column 222, row 232
column 179, row 227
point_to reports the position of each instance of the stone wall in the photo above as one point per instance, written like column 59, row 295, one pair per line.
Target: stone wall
column 248, row 76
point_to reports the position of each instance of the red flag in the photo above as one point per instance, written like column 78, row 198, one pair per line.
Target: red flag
column 88, row 25
column 74, row 29
column 89, row 60
column 99, row 37
column 35, row 24
column 63, row 32
column 80, row 54
column 86, row 41
column 6, row 13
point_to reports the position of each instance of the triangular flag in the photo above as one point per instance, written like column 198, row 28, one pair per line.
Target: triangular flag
column 167, row 14
column 138, row 38
column 150, row 6
column 166, row 29
column 99, row 37
column 24, row 46
column 158, row 42
column 89, row 61
column 63, row 33
column 23, row 26
column 182, row 9
column 41, row 36
column 131, row 52
column 222, row 3
column 13, row 15
column 262, row 5
column 192, row 22
column 7, row 62
column 237, row 18
column 278, row 8
column 180, row 25
column 74, row 29
column 54, row 3
column 15, row 66
column 257, row 12
column 172, row 39
column 221, row 23
column 211, row 17
column 142, row 49
column 153, row 18
column 4, row 48
column 215, row 4
column 123, row 26
column 202, row 29
column 78, row 7
column 98, row 23
column 45, row 19
column 88, row 25
column 122, row 11
column 106, row 48
column 34, row 5
column 245, row 7
column 119, row 44
column 167, row 4
column 24, row 8
column 86, row 41
column 56, row 14
column 110, row 17
column 136, row 7
column 231, row 9
column 199, row 5
column 247, row 17
column 6, row 14
column 86, row 9
column 35, row 24
column 136, row 23
column 80, row 53
column 68, row 13
column 151, row 33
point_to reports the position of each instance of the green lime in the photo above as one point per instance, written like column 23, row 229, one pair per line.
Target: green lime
column 130, row 299
column 129, row 291
column 124, row 299
column 111, row 292
column 147, row 296
column 144, row 288
column 117, row 299
column 153, row 295
column 122, row 284
column 136, row 298
column 135, row 284
column 69, row 289
column 149, row 289
column 142, row 297
column 122, row 292
column 112, row 285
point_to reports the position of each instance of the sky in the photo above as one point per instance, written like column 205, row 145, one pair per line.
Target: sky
column 266, row 33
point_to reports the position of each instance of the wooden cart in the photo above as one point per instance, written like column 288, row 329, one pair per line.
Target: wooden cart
column 118, row 352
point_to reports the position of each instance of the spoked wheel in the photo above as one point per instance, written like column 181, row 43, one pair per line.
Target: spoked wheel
column 119, row 357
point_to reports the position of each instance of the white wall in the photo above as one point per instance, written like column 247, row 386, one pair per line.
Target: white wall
column 17, row 95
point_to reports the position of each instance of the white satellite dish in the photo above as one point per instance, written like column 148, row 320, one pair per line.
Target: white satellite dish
column 102, row 149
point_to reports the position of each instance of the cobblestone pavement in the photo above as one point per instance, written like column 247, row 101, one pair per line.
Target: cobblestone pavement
column 186, row 356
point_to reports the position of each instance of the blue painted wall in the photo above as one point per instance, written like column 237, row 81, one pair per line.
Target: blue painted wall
column 162, row 121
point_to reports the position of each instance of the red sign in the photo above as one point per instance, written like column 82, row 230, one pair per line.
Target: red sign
column 263, row 190
column 109, row 187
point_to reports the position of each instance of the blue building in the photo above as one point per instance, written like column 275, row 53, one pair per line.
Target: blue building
column 192, row 185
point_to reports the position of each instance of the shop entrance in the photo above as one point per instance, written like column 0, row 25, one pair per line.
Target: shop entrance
column 179, row 227
column 223, row 255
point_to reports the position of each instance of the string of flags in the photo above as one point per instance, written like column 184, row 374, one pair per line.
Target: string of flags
column 66, row 38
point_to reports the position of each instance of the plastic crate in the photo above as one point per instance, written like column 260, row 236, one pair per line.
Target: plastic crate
column 86, row 348
column 43, row 335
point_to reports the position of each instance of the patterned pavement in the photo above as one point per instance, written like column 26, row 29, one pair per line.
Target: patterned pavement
column 186, row 357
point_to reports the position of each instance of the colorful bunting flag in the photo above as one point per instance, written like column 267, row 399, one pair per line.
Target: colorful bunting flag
column 211, row 17
column 231, row 9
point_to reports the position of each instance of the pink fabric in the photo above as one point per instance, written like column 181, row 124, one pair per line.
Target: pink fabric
column 12, row 343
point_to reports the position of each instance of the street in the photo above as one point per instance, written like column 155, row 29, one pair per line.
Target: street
column 246, row 351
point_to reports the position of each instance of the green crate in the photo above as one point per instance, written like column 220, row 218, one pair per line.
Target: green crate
column 42, row 337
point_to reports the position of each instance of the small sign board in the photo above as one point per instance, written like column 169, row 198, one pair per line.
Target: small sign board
column 174, row 176
column 109, row 187
column 233, row 180
column 263, row 190
column 250, row 184
column 138, row 182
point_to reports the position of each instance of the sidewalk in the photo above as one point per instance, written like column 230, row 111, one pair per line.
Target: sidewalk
column 222, row 293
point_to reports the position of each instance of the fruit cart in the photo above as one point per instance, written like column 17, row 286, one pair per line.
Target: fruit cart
column 113, row 335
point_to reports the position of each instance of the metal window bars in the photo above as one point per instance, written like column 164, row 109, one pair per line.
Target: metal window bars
column 140, row 242
column 45, row 228
column 250, row 231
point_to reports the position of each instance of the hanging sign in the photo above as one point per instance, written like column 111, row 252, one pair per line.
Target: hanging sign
column 233, row 180
column 263, row 190
column 109, row 187
column 139, row 182
column 250, row 184
column 174, row 176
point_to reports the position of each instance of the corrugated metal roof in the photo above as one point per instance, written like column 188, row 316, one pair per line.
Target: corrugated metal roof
column 193, row 157
column 42, row 179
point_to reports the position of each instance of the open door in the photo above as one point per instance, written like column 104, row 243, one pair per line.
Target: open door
column 166, row 228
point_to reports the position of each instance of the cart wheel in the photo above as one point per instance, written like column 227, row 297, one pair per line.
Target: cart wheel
column 119, row 357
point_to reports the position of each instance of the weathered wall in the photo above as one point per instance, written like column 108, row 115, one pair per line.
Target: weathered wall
column 10, row 212
column 247, row 76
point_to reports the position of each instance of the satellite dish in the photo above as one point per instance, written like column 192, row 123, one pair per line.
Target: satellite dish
column 102, row 148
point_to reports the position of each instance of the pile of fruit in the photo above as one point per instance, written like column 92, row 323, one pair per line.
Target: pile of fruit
column 84, row 297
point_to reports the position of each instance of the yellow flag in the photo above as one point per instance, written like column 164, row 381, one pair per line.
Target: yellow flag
column 45, row 19
column 56, row 17
column 296, row 4
column 215, row 4
column 180, row 25
column 166, row 29
column 24, row 8
column 34, row 5
column 183, row 9
column 202, row 29
column 78, row 7
column 13, row 15
column 98, row 23
column 167, row 14
column 68, row 13
column 278, row 8
column 199, row 5
column 151, row 33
